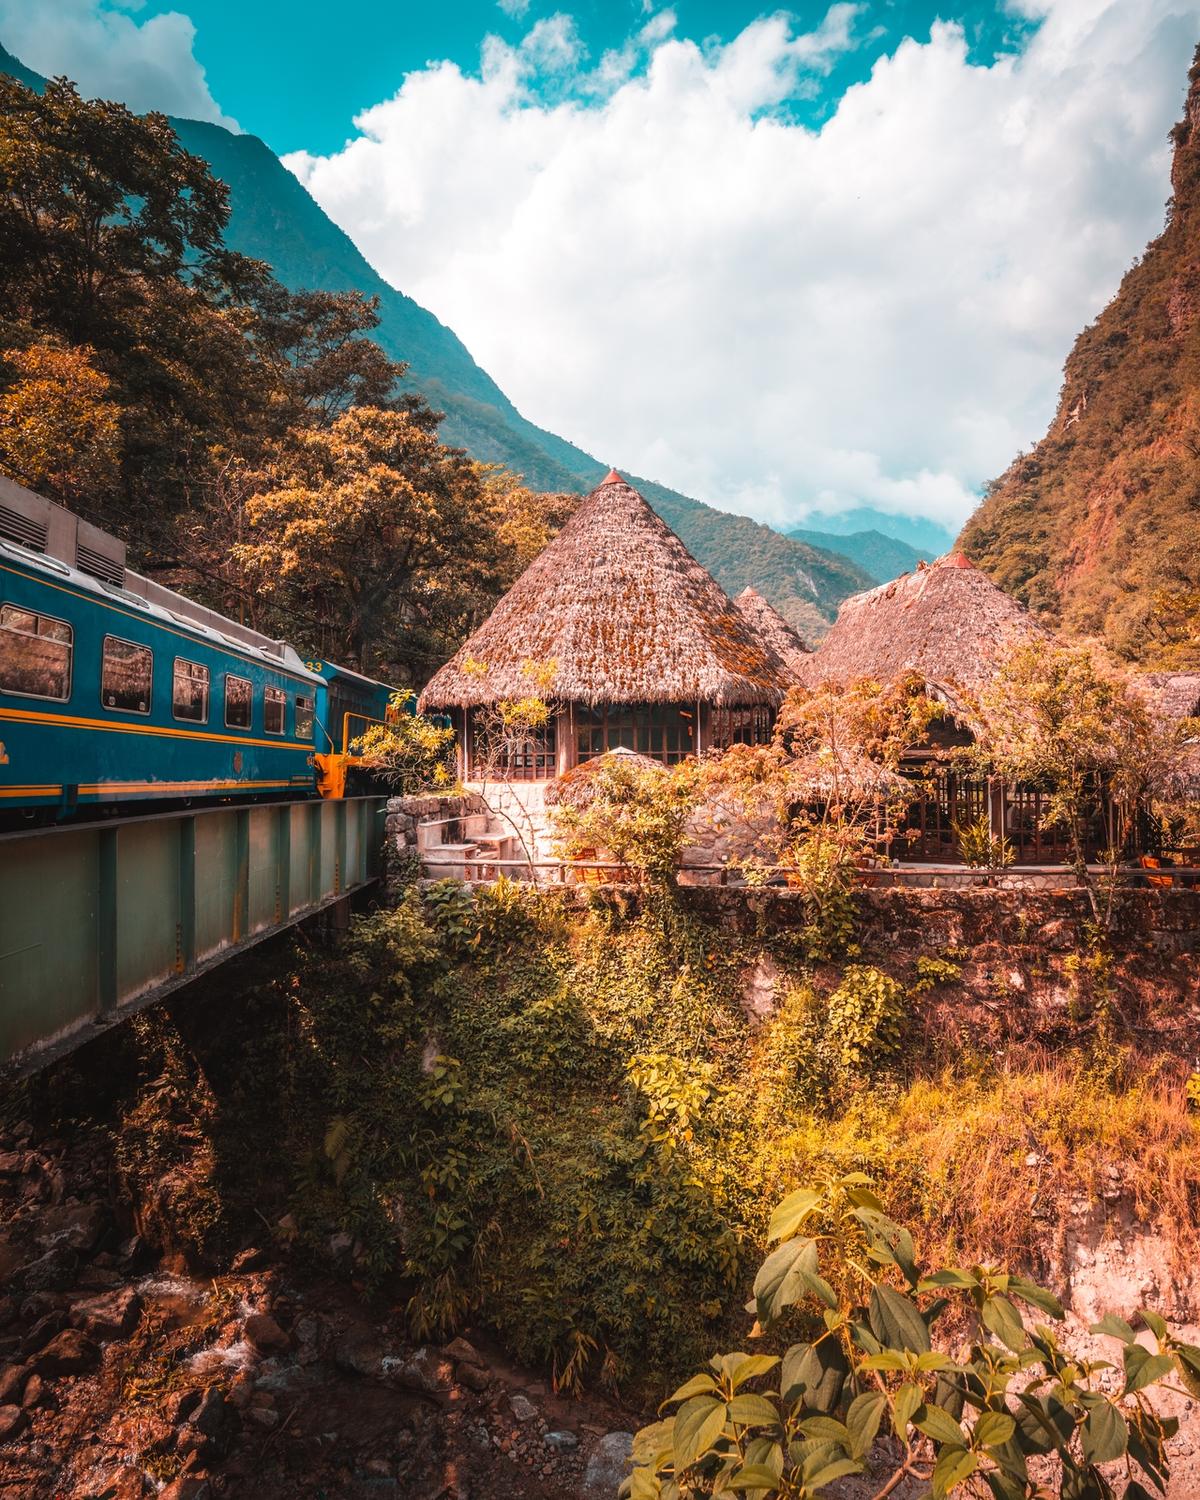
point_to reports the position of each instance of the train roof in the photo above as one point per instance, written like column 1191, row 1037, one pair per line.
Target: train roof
column 168, row 608
column 335, row 669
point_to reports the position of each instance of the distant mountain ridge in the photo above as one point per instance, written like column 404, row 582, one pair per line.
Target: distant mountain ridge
column 1098, row 527
column 274, row 218
column 881, row 557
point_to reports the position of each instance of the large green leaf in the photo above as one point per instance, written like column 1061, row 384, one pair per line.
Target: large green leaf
column 698, row 1424
column 754, row 1477
column 1143, row 1368
column 949, row 1276
column 863, row 1419
column 954, row 1465
column 1002, row 1318
column 896, row 1321
column 940, row 1426
column 748, row 1410
column 993, row 1429
column 792, row 1212
column 906, row 1403
column 814, row 1374
column 784, row 1277
column 698, row 1385
column 1115, row 1327
column 1105, row 1434
column 1036, row 1296
column 752, row 1366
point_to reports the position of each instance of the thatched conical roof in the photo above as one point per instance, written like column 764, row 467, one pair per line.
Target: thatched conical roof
column 625, row 613
column 770, row 626
column 578, row 787
column 947, row 621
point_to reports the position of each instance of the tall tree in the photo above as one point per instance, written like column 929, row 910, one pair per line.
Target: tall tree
column 370, row 526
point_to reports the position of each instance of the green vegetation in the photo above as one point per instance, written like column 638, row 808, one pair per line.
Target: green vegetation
column 1098, row 527
column 562, row 1123
column 869, row 1368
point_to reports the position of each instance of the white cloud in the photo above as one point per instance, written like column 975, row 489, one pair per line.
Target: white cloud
column 517, row 9
column 657, row 265
column 146, row 64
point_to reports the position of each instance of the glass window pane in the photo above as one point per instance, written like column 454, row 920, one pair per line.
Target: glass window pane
column 304, row 718
column 190, row 691
column 125, row 676
column 32, row 662
column 273, row 710
column 19, row 619
column 238, row 694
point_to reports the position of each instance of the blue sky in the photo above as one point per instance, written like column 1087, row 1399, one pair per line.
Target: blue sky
column 296, row 72
column 787, row 261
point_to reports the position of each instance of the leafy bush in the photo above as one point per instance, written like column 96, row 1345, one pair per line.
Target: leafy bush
column 869, row 1370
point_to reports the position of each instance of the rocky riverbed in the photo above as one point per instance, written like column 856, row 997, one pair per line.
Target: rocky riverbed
column 124, row 1374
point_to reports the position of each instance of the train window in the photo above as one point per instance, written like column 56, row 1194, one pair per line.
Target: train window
column 274, row 710
column 126, row 673
column 35, row 654
column 189, row 697
column 238, row 700
column 304, row 717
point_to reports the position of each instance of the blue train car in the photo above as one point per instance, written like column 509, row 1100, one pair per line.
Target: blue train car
column 116, row 691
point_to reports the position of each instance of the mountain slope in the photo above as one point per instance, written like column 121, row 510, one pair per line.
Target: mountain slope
column 273, row 218
column 1098, row 528
column 881, row 557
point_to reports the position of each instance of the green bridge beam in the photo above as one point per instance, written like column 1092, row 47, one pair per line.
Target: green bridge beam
column 98, row 920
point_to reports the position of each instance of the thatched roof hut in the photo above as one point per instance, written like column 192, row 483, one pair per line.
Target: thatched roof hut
column 579, row 786
column 625, row 614
column 770, row 626
column 948, row 621
column 1174, row 696
column 846, row 774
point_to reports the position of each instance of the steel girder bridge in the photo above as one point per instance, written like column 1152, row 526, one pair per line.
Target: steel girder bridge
column 98, row 920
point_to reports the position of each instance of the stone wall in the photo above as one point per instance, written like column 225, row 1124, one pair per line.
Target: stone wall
column 400, row 831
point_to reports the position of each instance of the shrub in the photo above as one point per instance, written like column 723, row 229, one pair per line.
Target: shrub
column 868, row 1368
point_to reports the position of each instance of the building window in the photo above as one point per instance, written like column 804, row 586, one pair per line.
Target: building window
column 35, row 654
column 274, row 709
column 661, row 731
column 126, row 676
column 189, row 693
column 304, row 717
column 238, row 699
column 518, row 758
column 742, row 726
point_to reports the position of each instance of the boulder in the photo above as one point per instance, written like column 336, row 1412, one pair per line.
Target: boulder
column 607, row 1467
column 265, row 1334
column 12, row 1421
column 112, row 1316
column 70, row 1352
column 422, row 1370
column 358, row 1351
column 186, row 1488
column 42, row 1332
column 77, row 1226
column 53, row 1272
column 12, row 1382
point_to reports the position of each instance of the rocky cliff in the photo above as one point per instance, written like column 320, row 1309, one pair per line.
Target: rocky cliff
column 1098, row 528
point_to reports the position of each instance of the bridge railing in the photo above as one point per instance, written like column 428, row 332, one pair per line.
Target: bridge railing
column 99, row 919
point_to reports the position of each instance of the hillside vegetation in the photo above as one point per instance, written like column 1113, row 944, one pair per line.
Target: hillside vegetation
column 1098, row 528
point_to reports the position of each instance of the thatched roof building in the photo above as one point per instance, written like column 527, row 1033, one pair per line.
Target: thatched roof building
column 948, row 621
column 624, row 611
column 1174, row 696
column 770, row 626
column 646, row 649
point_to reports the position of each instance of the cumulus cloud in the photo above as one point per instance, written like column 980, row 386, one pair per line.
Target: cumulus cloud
column 112, row 54
column 654, row 261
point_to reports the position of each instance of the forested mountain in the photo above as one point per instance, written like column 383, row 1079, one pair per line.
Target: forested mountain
column 881, row 557
column 273, row 218
column 1098, row 528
